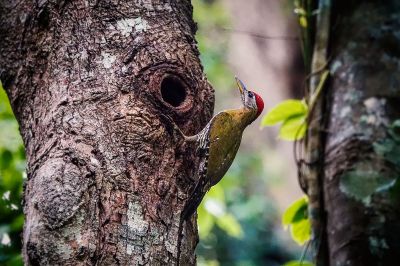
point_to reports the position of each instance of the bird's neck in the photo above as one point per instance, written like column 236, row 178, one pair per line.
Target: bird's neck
column 243, row 116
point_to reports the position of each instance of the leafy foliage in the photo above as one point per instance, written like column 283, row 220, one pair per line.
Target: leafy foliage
column 12, row 167
column 213, row 212
column 298, row 263
column 296, row 218
column 283, row 111
column 292, row 114
column 295, row 212
column 293, row 128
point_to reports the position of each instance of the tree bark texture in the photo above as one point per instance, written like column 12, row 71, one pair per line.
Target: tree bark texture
column 88, row 80
column 362, row 166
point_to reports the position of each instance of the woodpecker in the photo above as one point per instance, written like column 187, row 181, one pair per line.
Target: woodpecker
column 218, row 143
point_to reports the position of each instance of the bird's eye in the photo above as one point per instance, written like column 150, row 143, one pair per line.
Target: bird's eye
column 250, row 94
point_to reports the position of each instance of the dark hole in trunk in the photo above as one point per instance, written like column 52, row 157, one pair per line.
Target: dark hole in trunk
column 173, row 91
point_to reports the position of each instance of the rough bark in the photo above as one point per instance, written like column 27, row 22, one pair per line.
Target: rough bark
column 88, row 81
column 361, row 186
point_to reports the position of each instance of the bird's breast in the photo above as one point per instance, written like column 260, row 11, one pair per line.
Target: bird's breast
column 224, row 144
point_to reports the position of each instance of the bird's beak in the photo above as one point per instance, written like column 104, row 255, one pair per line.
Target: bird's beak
column 242, row 88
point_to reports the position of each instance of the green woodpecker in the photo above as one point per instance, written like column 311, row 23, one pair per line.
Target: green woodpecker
column 218, row 143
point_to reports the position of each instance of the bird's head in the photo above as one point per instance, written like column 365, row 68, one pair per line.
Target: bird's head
column 250, row 100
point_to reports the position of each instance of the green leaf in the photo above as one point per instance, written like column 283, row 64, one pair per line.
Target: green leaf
column 298, row 263
column 230, row 225
column 205, row 222
column 5, row 108
column 16, row 260
column 206, row 262
column 6, row 159
column 303, row 21
column 17, row 223
column 213, row 211
column 283, row 111
column 214, row 207
column 10, row 138
column 295, row 212
column 301, row 231
column 293, row 128
column 217, row 193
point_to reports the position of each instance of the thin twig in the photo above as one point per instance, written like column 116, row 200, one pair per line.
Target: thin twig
column 259, row 35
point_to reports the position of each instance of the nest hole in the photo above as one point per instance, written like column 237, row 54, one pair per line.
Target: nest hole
column 173, row 91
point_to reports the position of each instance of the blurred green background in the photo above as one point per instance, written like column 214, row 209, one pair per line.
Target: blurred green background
column 240, row 218
column 12, row 173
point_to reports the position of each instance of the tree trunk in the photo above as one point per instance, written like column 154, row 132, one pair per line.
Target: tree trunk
column 362, row 148
column 88, row 81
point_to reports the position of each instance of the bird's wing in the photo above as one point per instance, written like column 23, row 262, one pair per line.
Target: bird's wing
column 202, row 184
